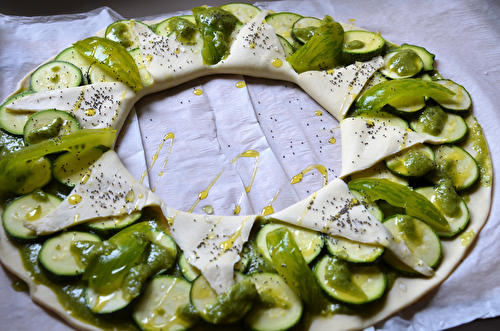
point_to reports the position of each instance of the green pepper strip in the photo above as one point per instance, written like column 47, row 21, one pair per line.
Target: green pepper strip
column 113, row 58
column 399, row 195
column 381, row 94
column 108, row 271
column 85, row 138
column 322, row 50
column 290, row 264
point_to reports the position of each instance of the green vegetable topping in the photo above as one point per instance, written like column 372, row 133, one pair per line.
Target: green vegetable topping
column 406, row 226
column 322, row 50
column 338, row 276
column 405, row 63
column 113, row 58
column 184, row 29
column 432, row 119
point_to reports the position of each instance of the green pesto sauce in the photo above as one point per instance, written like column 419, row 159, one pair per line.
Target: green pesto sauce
column 354, row 44
column 304, row 34
column 417, row 163
column 405, row 63
column 232, row 303
column 71, row 293
column 184, row 28
column 119, row 33
column 19, row 286
column 432, row 119
column 9, row 143
column 483, row 154
column 50, row 130
column 339, row 276
column 406, row 226
column 447, row 198
column 216, row 25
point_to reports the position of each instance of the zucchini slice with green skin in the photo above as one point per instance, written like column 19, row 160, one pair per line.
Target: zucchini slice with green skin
column 14, row 121
column 163, row 239
column 379, row 171
column 102, row 302
column 354, row 252
column 402, row 64
column 372, row 207
column 420, row 238
column 360, row 45
column 97, row 74
column 460, row 102
column 451, row 128
column 143, row 71
column 56, row 256
column 309, row 242
column 287, row 47
column 282, row 24
column 304, row 28
column 350, row 284
column 157, row 310
column 457, row 164
column 415, row 161
column 47, row 124
column 277, row 307
column 189, row 271
column 108, row 226
column 27, row 208
column 163, row 28
column 458, row 220
column 245, row 12
column 426, row 56
column 204, row 299
column 72, row 56
column 121, row 32
column 408, row 104
column 71, row 168
column 55, row 75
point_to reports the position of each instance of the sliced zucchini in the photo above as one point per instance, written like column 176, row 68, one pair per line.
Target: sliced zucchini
column 457, row 164
column 72, row 56
column 372, row 207
column 304, row 28
column 163, row 239
column 420, row 238
column 33, row 174
column 287, row 47
column 460, row 102
column 71, row 168
column 27, row 208
column 415, row 161
column 402, row 64
column 56, row 257
column 205, row 300
column 379, row 171
column 143, row 71
column 309, row 242
column 189, row 271
column 277, row 307
column 55, row 75
column 121, row 32
column 97, row 74
column 409, row 104
column 164, row 29
column 105, row 302
column 360, row 45
column 158, row 309
column 374, row 80
column 47, row 124
column 245, row 12
column 458, row 220
column 450, row 128
column 282, row 24
column 110, row 225
column 354, row 252
column 350, row 284
column 14, row 121
column 426, row 56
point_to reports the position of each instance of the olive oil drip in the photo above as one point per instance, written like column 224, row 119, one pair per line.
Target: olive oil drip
column 203, row 194
column 228, row 244
column 321, row 168
column 168, row 136
column 267, row 210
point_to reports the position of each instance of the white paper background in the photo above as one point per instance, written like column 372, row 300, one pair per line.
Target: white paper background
column 279, row 121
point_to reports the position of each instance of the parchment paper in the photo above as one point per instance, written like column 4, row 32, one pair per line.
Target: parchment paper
column 288, row 129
